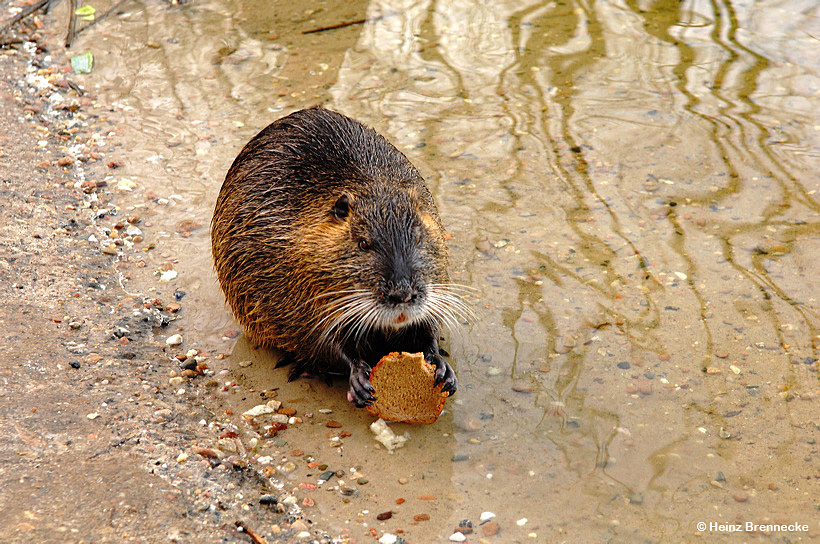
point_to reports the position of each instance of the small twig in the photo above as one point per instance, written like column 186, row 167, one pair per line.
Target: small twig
column 72, row 23
column 116, row 444
column 23, row 14
column 79, row 90
column 256, row 537
column 334, row 27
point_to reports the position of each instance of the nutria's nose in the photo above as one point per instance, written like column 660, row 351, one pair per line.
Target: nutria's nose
column 401, row 296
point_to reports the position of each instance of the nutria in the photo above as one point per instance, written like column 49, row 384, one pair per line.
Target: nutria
column 328, row 247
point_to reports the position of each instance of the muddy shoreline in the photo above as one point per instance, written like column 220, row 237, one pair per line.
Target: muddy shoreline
column 102, row 443
column 640, row 228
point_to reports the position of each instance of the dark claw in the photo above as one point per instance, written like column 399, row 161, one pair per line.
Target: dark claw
column 444, row 374
column 360, row 392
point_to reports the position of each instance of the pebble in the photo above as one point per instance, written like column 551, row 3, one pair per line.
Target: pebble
column 521, row 522
column 125, row 185
column 174, row 340
column 490, row 528
column 384, row 516
column 421, row 517
column 740, row 496
column 227, row 445
column 268, row 499
column 522, row 387
column 187, row 363
column 208, row 453
column 486, row 516
column 333, row 424
column 645, row 387
column 624, row 365
column 188, row 225
column 458, row 537
column 388, row 538
column 347, row 491
column 176, row 380
column 465, row 526
column 481, row 245
column 260, row 410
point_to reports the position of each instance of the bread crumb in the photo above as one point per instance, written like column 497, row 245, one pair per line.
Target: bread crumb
column 386, row 436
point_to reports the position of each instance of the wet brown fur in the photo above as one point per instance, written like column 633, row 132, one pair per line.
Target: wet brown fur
column 278, row 249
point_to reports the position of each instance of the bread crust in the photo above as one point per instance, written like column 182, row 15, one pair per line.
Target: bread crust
column 405, row 390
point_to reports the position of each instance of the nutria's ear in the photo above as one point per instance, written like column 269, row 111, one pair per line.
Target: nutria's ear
column 342, row 207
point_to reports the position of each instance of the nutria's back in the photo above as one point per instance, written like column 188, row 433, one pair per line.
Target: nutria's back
column 326, row 242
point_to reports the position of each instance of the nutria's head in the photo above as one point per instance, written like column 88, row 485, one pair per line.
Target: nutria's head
column 387, row 264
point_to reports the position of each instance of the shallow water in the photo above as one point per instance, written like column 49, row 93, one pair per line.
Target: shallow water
column 632, row 189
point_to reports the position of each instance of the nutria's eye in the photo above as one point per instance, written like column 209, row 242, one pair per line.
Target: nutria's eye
column 364, row 245
column 342, row 207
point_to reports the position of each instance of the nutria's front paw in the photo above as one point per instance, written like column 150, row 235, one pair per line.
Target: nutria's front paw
column 444, row 374
column 361, row 391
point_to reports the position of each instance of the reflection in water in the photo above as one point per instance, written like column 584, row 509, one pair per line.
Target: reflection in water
column 640, row 175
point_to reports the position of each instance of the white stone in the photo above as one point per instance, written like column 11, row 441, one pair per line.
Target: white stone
column 260, row 410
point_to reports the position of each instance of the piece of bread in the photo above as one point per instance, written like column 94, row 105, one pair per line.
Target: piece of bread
column 404, row 389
